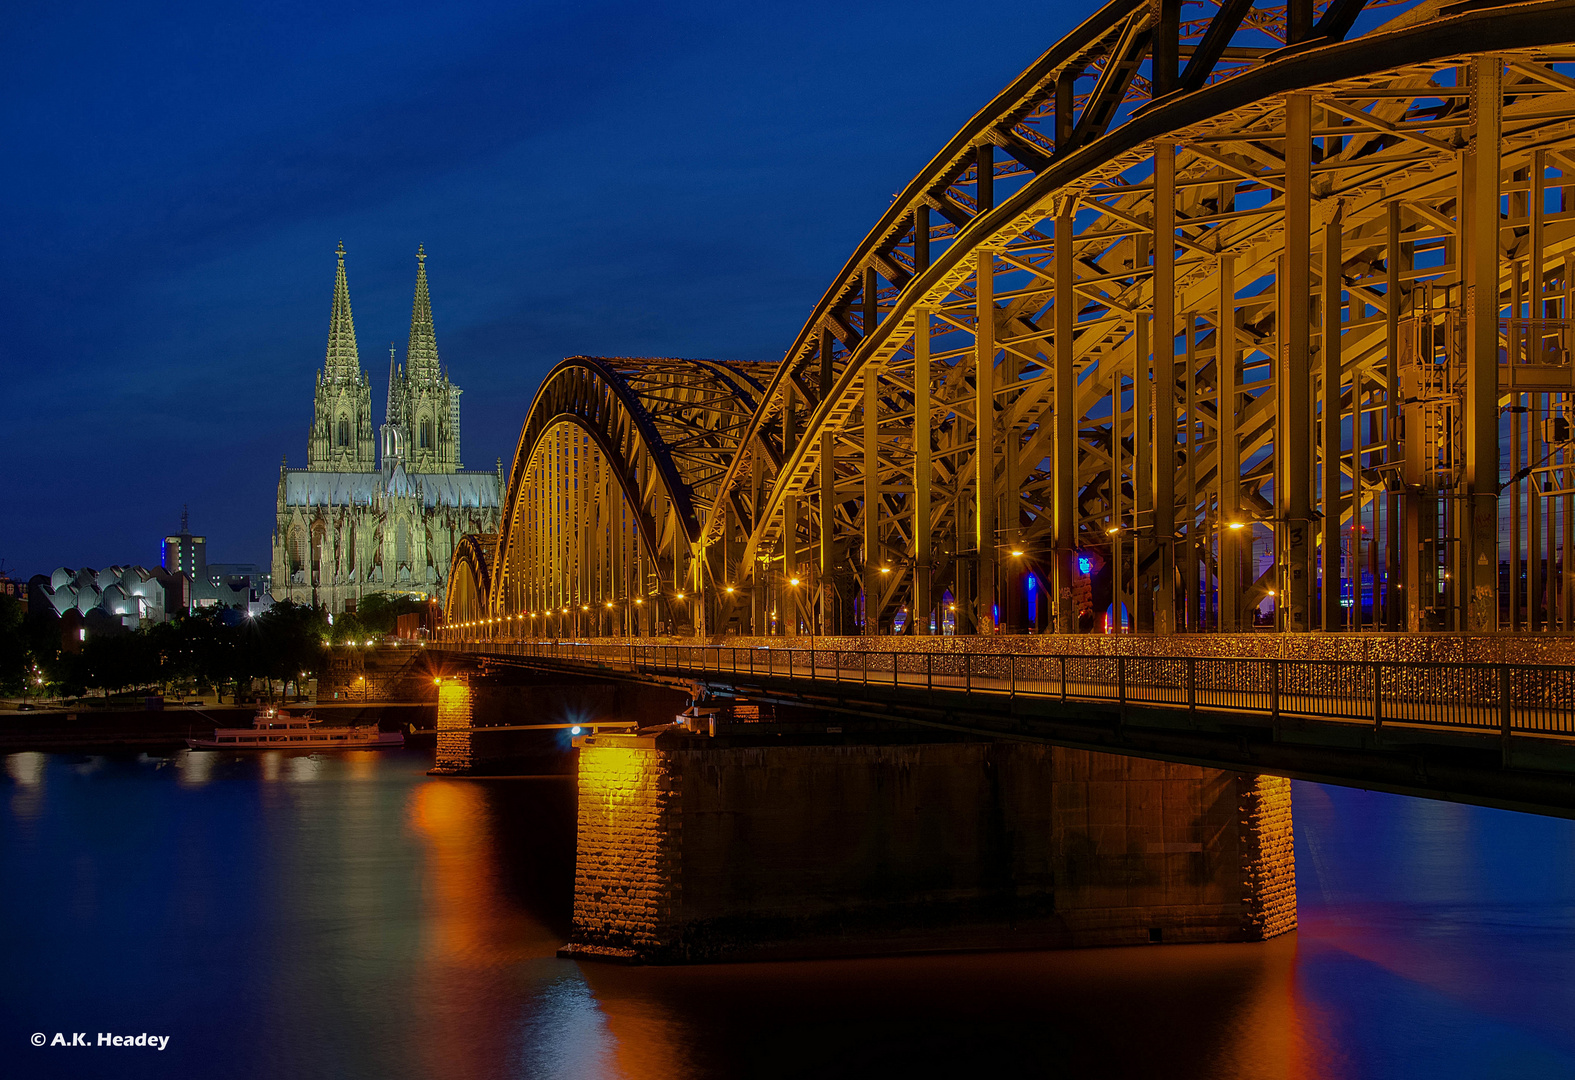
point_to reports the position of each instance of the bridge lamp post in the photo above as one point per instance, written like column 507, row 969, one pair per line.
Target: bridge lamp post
column 1280, row 568
column 885, row 571
column 793, row 583
column 1137, row 532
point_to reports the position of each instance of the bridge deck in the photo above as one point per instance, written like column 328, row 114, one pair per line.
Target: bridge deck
column 1501, row 734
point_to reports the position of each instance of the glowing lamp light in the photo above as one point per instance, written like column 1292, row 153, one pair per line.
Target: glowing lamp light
column 1238, row 524
column 1016, row 554
column 437, row 682
column 1085, row 565
column 1113, row 530
column 885, row 569
column 793, row 582
column 638, row 602
column 680, row 596
column 730, row 590
column 575, row 730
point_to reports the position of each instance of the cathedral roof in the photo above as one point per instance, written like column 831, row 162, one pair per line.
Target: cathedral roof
column 343, row 362
column 463, row 489
column 421, row 355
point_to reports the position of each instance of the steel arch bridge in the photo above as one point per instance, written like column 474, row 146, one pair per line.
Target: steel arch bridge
column 1216, row 308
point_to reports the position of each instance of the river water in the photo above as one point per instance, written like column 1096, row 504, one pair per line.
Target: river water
column 349, row 916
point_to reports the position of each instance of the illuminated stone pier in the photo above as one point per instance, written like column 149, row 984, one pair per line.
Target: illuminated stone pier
column 695, row 849
column 515, row 723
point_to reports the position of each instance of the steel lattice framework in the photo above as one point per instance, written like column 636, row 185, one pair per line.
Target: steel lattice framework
column 1276, row 304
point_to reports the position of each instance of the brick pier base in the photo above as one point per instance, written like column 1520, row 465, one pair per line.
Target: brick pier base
column 690, row 849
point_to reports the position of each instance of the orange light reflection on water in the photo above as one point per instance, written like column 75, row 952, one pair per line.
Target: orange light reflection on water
column 478, row 1014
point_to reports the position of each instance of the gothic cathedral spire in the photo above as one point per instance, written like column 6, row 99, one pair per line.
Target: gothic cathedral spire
column 343, row 363
column 341, row 437
column 421, row 355
column 429, row 405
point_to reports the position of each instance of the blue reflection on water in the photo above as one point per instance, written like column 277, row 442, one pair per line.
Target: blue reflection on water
column 350, row 916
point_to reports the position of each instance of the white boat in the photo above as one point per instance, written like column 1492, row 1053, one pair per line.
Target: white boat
column 279, row 729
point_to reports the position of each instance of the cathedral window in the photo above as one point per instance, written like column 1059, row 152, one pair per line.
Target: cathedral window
column 426, row 434
column 344, row 431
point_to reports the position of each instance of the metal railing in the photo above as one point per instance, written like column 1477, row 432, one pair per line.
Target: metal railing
column 1509, row 698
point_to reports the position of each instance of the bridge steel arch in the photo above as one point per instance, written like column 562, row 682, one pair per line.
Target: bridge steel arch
column 1216, row 303
column 616, row 461
column 466, row 605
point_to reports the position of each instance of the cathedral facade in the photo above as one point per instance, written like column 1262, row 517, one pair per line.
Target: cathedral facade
column 379, row 514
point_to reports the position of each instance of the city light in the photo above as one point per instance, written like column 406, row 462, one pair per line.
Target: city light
column 794, row 582
column 1238, row 524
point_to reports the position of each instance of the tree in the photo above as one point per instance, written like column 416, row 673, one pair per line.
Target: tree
column 379, row 612
column 348, row 627
column 291, row 637
column 14, row 658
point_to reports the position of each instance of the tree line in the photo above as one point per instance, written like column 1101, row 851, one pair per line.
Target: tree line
column 218, row 648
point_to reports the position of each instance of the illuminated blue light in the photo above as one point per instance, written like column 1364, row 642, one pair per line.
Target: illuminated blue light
column 1085, row 565
column 575, row 730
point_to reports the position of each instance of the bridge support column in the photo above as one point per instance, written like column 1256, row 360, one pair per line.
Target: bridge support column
column 1065, row 500
column 873, row 557
column 1331, row 611
column 697, row 849
column 923, row 600
column 1164, row 477
column 1294, row 435
column 1480, row 250
column 787, row 596
column 984, row 446
column 1232, row 530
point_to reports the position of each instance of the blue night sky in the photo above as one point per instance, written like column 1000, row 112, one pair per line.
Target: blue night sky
column 616, row 179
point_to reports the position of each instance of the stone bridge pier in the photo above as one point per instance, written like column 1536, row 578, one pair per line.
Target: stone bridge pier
column 511, row 722
column 775, row 843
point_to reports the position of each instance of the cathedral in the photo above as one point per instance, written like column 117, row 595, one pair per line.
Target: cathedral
column 379, row 515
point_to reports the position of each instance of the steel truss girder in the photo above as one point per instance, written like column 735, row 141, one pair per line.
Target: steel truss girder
column 1233, row 126
column 823, row 451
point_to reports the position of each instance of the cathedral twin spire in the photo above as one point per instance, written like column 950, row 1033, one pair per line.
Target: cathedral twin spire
column 421, row 423
column 343, row 363
column 421, row 355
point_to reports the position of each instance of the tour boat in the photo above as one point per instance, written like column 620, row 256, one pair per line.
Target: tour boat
column 278, row 729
